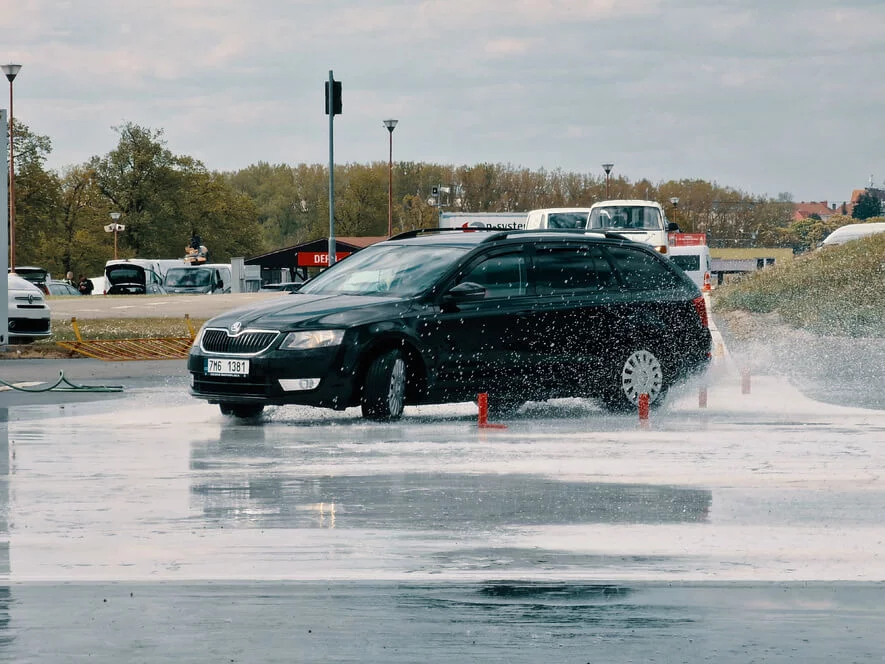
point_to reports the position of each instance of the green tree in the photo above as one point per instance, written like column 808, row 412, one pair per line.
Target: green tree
column 36, row 199
column 166, row 198
column 81, row 244
column 868, row 205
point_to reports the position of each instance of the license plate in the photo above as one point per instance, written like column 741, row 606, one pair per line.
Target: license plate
column 225, row 367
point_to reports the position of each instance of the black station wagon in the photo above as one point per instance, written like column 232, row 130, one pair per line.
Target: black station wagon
column 441, row 316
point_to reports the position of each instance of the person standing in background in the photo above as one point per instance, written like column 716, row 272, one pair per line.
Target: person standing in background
column 85, row 285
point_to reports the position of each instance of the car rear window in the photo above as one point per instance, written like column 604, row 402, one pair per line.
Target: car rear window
column 561, row 269
column 125, row 273
column 641, row 270
column 689, row 263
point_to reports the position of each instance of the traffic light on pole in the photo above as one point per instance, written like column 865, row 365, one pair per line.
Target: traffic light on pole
column 336, row 97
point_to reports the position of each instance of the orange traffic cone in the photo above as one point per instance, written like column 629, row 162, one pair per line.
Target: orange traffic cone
column 708, row 285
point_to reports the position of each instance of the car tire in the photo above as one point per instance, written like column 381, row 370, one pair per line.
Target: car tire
column 636, row 372
column 241, row 411
column 384, row 390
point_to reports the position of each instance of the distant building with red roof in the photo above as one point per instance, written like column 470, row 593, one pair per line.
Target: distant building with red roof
column 822, row 209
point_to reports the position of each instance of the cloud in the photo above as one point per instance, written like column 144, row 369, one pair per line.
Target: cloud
column 748, row 89
column 505, row 47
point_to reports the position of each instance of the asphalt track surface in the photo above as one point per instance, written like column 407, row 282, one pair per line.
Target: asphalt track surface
column 143, row 526
column 199, row 307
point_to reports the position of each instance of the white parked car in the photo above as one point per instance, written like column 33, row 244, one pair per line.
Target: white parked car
column 28, row 312
column 851, row 232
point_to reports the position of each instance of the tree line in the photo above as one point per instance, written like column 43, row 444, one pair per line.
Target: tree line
column 165, row 198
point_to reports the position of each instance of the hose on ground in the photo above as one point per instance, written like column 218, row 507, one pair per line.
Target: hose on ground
column 64, row 385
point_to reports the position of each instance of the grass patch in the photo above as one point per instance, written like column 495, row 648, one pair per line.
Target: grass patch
column 121, row 328
column 837, row 291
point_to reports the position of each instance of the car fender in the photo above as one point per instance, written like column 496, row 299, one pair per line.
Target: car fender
column 381, row 337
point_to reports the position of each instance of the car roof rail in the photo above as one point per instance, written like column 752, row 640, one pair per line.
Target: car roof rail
column 503, row 234
column 405, row 235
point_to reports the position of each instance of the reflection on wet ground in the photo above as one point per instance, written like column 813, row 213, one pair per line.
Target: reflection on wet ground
column 441, row 502
column 500, row 621
column 150, row 528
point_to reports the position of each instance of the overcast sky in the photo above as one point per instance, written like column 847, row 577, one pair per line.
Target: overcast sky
column 766, row 96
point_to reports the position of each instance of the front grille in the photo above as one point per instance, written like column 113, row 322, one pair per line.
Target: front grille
column 247, row 342
column 29, row 325
column 241, row 387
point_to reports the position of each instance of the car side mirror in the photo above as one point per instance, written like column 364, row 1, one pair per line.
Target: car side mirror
column 466, row 291
column 673, row 227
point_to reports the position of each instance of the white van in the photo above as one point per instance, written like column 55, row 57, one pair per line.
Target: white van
column 695, row 261
column 641, row 221
column 200, row 278
column 571, row 218
column 851, row 232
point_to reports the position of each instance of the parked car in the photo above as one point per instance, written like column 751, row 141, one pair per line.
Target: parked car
column 28, row 312
column 36, row 275
column 198, row 278
column 695, row 261
column 61, row 288
column 134, row 277
column 438, row 317
column 851, row 232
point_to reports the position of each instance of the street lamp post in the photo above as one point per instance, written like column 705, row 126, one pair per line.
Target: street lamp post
column 608, row 169
column 11, row 72
column 391, row 125
column 675, row 201
column 115, row 228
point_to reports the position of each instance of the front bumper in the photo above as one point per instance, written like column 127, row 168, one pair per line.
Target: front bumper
column 334, row 367
column 32, row 328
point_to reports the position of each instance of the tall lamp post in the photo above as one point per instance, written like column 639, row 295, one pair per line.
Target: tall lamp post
column 675, row 201
column 11, row 72
column 608, row 169
column 391, row 125
column 115, row 228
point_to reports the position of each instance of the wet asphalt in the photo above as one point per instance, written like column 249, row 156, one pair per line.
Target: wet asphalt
column 143, row 526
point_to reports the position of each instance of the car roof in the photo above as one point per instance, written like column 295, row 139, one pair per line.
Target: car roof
column 561, row 209
column 628, row 201
column 474, row 236
column 683, row 249
column 20, row 283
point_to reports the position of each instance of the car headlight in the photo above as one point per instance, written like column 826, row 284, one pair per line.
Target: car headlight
column 199, row 338
column 312, row 339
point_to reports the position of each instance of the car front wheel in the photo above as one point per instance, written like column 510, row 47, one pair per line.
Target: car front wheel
column 638, row 372
column 384, row 390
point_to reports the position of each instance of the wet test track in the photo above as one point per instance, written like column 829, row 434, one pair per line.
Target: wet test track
column 146, row 527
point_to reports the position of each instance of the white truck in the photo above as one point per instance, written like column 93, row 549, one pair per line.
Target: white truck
column 506, row 221
column 639, row 220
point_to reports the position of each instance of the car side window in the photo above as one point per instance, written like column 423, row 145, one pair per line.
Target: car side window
column 502, row 275
column 560, row 269
column 640, row 270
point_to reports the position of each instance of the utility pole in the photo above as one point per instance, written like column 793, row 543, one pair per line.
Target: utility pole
column 333, row 106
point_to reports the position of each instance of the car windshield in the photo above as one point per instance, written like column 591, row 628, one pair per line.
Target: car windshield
column 615, row 217
column 181, row 277
column 567, row 220
column 386, row 269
